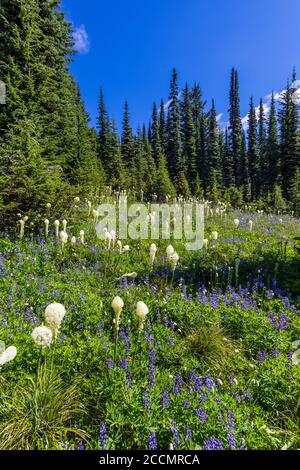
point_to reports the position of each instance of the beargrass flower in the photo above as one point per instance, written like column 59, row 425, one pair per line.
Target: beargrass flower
column 46, row 221
column 42, row 336
column 153, row 250
column 8, row 355
column 64, row 222
column 173, row 261
column 22, row 228
column 54, row 314
column 73, row 241
column 236, row 223
column 81, row 234
column 141, row 313
column 205, row 243
column 76, row 199
column 214, row 235
column 56, row 225
column 170, row 251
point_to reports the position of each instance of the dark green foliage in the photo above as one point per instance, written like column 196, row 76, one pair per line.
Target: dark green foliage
column 235, row 127
column 174, row 144
column 188, row 138
column 272, row 151
column 253, row 156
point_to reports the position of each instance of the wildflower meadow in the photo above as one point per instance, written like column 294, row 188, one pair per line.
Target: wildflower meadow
column 128, row 344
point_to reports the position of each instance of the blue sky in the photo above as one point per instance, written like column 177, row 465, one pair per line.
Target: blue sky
column 130, row 47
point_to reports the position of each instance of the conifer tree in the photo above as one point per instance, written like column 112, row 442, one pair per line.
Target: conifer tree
column 289, row 138
column 235, row 126
column 272, row 151
column 155, row 136
column 214, row 171
column 174, row 147
column 162, row 127
column 262, row 149
column 188, row 138
column 127, row 141
column 253, row 156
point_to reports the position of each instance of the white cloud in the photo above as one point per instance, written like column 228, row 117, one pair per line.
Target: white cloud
column 219, row 116
column 81, row 40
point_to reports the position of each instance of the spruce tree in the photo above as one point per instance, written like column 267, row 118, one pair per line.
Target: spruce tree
column 235, row 127
column 253, row 156
column 174, row 147
column 188, row 138
column 289, row 139
column 155, row 136
column 214, row 170
column 127, row 142
column 272, row 150
column 262, row 149
column 162, row 127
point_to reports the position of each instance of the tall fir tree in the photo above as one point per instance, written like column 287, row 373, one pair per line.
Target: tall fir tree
column 174, row 147
column 155, row 135
column 289, row 138
column 127, row 144
column 188, row 138
column 262, row 149
column 214, row 170
column 272, row 150
column 253, row 155
column 235, row 126
column 162, row 127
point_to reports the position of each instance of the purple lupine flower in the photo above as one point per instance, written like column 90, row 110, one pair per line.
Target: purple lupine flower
column 129, row 380
column 152, row 445
column 80, row 446
column 172, row 342
column 110, row 363
column 103, row 437
column 124, row 363
column 151, row 377
column 230, row 431
column 165, row 399
column 262, row 356
column 174, row 431
column 208, row 382
column 186, row 404
column 212, row 443
column 188, row 434
column 276, row 352
column 152, row 356
column 201, row 414
column 178, row 384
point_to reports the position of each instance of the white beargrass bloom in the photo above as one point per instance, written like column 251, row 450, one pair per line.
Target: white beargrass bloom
column 113, row 237
column 8, row 355
column 42, row 336
column 22, row 228
column 108, row 238
column 141, row 313
column 170, row 251
column 236, row 223
column 64, row 222
column 132, row 275
column 81, row 234
column 46, row 221
column 48, row 205
column 250, row 225
column 56, row 225
column 119, row 243
column 63, row 236
column 25, row 218
column 153, row 250
column 76, row 199
column 214, row 235
column 117, row 305
column 73, row 241
column 125, row 248
column 174, row 260
column 89, row 206
column 205, row 243
column 54, row 315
